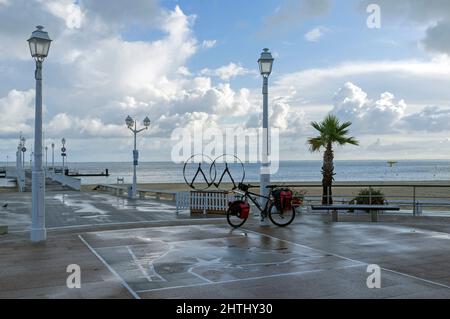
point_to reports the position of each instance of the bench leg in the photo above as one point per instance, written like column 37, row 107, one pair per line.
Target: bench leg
column 335, row 216
column 374, row 216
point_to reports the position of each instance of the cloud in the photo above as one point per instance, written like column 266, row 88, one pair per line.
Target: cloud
column 430, row 119
column 315, row 34
column 289, row 121
column 293, row 13
column 111, row 13
column 16, row 109
column 352, row 104
column 386, row 115
column 433, row 15
column 208, row 44
column 315, row 86
column 436, row 37
column 226, row 72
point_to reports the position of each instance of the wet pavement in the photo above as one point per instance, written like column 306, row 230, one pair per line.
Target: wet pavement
column 143, row 249
column 71, row 209
column 212, row 261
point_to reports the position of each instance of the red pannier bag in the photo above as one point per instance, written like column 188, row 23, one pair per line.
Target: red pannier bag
column 244, row 210
column 286, row 199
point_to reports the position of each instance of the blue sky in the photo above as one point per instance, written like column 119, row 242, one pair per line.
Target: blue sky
column 190, row 64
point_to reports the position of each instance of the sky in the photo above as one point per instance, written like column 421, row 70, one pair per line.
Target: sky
column 189, row 64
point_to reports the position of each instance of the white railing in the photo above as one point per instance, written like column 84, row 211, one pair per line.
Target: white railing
column 209, row 202
column 71, row 182
column 182, row 201
column 18, row 175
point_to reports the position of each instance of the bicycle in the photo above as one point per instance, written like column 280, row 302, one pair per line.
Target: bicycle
column 239, row 210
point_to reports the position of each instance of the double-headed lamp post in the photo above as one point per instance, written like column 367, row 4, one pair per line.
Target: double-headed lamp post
column 39, row 46
column 132, row 125
column 265, row 67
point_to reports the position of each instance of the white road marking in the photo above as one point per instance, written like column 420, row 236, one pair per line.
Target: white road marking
column 351, row 259
column 138, row 264
column 124, row 283
column 156, row 222
column 209, row 282
column 246, row 279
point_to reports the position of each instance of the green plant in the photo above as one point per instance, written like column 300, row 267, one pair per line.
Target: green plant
column 369, row 196
column 331, row 132
column 299, row 194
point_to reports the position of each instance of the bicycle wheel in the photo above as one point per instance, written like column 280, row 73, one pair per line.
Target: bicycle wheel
column 281, row 218
column 234, row 217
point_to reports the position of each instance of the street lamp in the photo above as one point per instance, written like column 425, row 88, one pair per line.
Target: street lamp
column 63, row 153
column 132, row 125
column 265, row 67
column 23, row 149
column 53, row 156
column 39, row 43
column 46, row 158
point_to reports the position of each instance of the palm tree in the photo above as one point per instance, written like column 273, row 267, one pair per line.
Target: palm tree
column 331, row 132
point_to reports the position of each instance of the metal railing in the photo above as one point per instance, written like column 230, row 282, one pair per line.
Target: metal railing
column 416, row 201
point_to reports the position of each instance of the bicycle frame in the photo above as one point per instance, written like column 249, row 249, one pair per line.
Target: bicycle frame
column 254, row 199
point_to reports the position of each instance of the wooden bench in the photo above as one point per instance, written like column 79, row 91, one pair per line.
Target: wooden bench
column 373, row 209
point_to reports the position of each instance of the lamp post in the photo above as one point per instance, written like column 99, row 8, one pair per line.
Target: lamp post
column 63, row 153
column 53, row 156
column 39, row 43
column 23, row 149
column 132, row 125
column 265, row 67
column 46, row 158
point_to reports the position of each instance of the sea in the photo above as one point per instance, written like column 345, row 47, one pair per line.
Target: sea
column 289, row 171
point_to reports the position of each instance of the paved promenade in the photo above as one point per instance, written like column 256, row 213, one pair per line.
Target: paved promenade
column 142, row 249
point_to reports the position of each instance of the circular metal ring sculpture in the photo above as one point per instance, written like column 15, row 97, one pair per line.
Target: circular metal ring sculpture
column 199, row 172
column 208, row 182
column 226, row 171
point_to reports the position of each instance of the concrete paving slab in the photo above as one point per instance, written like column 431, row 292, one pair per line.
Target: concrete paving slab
column 216, row 262
column 181, row 257
column 73, row 209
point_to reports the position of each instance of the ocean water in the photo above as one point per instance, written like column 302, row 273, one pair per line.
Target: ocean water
column 289, row 171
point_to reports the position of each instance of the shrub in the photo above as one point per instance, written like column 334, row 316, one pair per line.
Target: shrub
column 298, row 197
column 369, row 196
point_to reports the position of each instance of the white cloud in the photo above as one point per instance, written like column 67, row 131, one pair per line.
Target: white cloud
column 226, row 72
column 386, row 114
column 315, row 34
column 430, row 119
column 73, row 126
column 66, row 10
column 380, row 116
column 16, row 109
column 208, row 44
column 315, row 86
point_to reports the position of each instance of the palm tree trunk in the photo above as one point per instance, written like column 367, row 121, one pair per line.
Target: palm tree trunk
column 327, row 173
